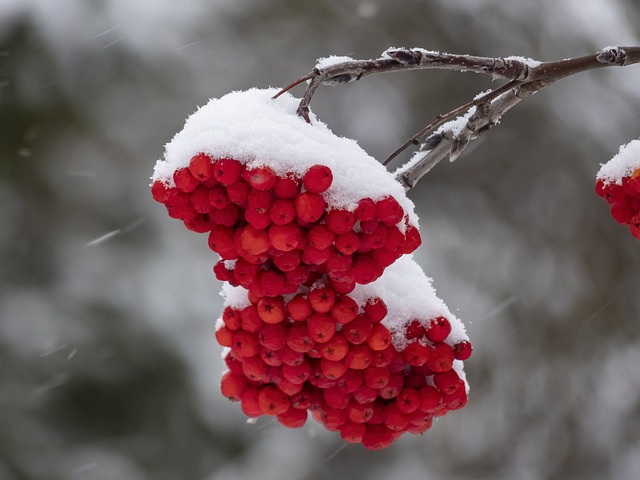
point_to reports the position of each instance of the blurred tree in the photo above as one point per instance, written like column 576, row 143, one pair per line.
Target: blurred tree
column 108, row 364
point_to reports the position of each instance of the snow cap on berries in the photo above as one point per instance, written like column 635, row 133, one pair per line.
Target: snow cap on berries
column 408, row 294
column 257, row 130
column 623, row 164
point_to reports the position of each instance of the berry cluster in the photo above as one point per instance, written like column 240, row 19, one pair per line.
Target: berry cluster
column 302, row 340
column 322, row 352
column 624, row 198
column 278, row 231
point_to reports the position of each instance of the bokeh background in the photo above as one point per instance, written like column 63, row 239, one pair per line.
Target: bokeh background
column 109, row 368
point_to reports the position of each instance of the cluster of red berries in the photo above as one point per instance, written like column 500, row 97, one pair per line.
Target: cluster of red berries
column 278, row 229
column 624, row 198
column 322, row 352
column 303, row 344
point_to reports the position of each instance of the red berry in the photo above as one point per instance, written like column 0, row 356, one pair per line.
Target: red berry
column 227, row 170
column 365, row 270
column 271, row 309
column 332, row 369
column 416, row 354
column 286, row 187
column 282, row 211
column 201, row 167
column 270, row 357
column 299, row 307
column 622, row 213
column 228, row 215
column 359, row 412
column 287, row 261
column 447, row 382
column 322, row 299
column 290, row 356
column 254, row 368
column 231, row 318
column 389, row 211
column 249, row 402
column 245, row 344
column 317, row 179
column 336, row 348
column 345, row 310
column 261, row 178
column 376, row 377
column 375, row 309
column 293, row 417
column 334, row 418
column 358, row 330
column 635, row 226
column 462, row 350
column 377, row 437
column 271, row 283
column 233, row 385
column 353, row 432
column 259, row 201
column 224, row 336
column 273, row 335
column 358, row 357
column 299, row 339
column 285, row 237
column 366, row 210
column 438, row 329
column 238, row 193
column 347, row 243
column 414, row 330
column 321, row 327
column 340, row 221
column 393, row 386
column 408, row 400
column 297, row 374
column 365, row 394
column 221, row 241
column 184, row 181
column 320, row 237
column 313, row 256
column 309, row 207
column 412, row 239
column 441, row 358
column 380, row 337
column 273, row 401
column 394, row 419
column 159, row 191
column 254, row 241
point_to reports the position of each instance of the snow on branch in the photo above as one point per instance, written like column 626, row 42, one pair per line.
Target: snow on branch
column 449, row 134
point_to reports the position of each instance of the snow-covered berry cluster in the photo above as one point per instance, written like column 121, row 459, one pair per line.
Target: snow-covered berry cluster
column 618, row 182
column 275, row 233
column 325, row 310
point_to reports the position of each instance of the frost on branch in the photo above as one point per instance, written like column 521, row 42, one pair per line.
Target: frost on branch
column 325, row 310
column 618, row 182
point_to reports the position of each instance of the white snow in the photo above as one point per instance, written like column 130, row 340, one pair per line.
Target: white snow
column 527, row 61
column 234, row 297
column 331, row 60
column 623, row 164
column 408, row 294
column 257, row 130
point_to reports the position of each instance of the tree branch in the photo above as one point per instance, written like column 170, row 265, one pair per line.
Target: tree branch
column 449, row 134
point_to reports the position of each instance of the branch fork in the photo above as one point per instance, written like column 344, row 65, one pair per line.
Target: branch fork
column 449, row 134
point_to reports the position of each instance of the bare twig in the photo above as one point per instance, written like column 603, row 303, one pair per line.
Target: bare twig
column 448, row 137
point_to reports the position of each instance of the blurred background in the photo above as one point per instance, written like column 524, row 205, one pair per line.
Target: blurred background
column 108, row 364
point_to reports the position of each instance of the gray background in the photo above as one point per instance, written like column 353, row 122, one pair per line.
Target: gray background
column 108, row 364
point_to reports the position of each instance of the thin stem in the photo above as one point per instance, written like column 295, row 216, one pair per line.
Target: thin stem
column 442, row 119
